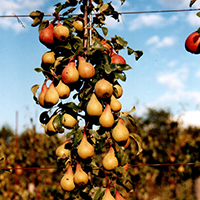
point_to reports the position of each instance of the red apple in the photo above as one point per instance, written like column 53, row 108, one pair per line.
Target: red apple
column 192, row 43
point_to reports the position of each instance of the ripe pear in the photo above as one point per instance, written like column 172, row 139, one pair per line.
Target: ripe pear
column 103, row 89
column 86, row 70
column 69, row 121
column 51, row 97
column 42, row 94
column 118, row 196
column 117, row 59
column 61, row 32
column 61, row 151
column 63, row 90
column 106, row 119
column 67, row 181
column 94, row 107
column 115, row 105
column 85, row 149
column 120, row 133
column 80, row 177
column 78, row 25
column 125, row 167
column 48, row 58
column 119, row 90
column 70, row 73
column 46, row 36
column 110, row 161
column 107, row 195
column 49, row 128
column 18, row 169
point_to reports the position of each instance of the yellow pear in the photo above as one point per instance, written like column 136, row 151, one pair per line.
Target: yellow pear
column 48, row 58
column 119, row 90
column 86, row 70
column 61, row 151
column 51, row 97
column 70, row 73
column 61, row 32
column 69, row 121
column 80, row 177
column 115, row 105
column 103, row 89
column 63, row 90
column 106, row 119
column 120, row 133
column 67, row 181
column 49, row 128
column 110, row 161
column 85, row 149
column 42, row 94
column 94, row 107
column 107, row 195
column 78, row 25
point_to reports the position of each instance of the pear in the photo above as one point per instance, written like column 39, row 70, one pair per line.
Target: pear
column 18, row 169
column 70, row 73
column 125, row 167
column 127, row 143
column 51, row 96
column 106, row 119
column 63, row 90
column 49, row 128
column 48, row 58
column 120, row 133
column 85, row 149
column 61, row 151
column 69, row 121
column 78, row 25
column 67, row 181
column 61, row 32
column 103, row 89
column 94, row 107
column 80, row 177
column 115, row 105
column 117, row 59
column 110, row 161
column 42, row 94
column 118, row 196
column 46, row 36
column 86, row 70
column 107, row 195
column 119, row 90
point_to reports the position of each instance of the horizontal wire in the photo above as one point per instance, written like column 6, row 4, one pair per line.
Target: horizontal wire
column 139, row 165
column 131, row 12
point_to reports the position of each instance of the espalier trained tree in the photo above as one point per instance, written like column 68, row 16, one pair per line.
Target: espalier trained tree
column 85, row 65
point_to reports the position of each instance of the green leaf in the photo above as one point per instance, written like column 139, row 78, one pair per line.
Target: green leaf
column 38, row 70
column 198, row 14
column 69, row 11
column 59, row 8
column 120, row 67
column 34, row 89
column 138, row 141
column 123, row 158
column 104, row 30
column 78, row 136
column 98, row 1
column 104, row 7
column 43, row 25
column 99, row 194
column 57, row 123
column 107, row 68
column 121, row 76
column 97, row 45
column 138, row 54
column 122, row 2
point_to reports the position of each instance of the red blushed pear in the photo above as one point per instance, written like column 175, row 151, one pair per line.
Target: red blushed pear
column 117, row 59
column 42, row 94
column 61, row 32
column 107, row 195
column 46, row 36
column 86, row 70
column 118, row 196
column 192, row 43
column 70, row 73
column 67, row 181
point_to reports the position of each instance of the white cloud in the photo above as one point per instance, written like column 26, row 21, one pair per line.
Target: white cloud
column 151, row 20
column 166, row 41
column 174, row 80
column 178, row 4
column 193, row 20
column 197, row 74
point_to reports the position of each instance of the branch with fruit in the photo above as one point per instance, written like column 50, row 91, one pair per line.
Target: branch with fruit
column 86, row 66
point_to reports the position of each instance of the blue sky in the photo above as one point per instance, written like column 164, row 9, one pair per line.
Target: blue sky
column 166, row 76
